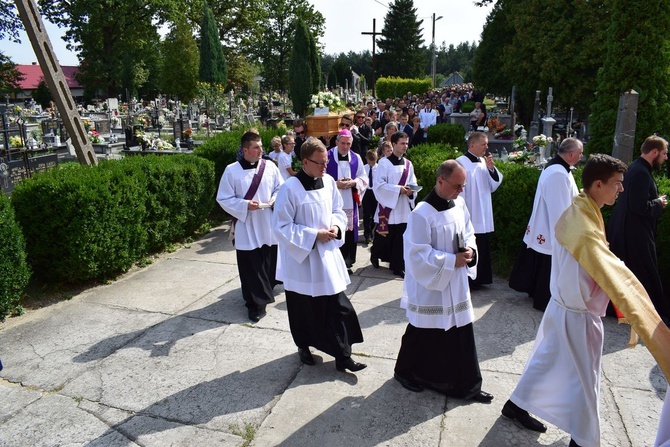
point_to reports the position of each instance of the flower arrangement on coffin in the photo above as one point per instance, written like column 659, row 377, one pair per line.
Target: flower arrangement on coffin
column 95, row 137
column 326, row 99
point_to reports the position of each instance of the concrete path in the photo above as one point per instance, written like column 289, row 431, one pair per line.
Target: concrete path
column 165, row 356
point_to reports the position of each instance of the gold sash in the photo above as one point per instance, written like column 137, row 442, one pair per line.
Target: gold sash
column 582, row 232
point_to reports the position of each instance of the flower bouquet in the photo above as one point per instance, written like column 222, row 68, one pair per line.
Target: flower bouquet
column 541, row 140
column 15, row 141
column 95, row 137
column 506, row 134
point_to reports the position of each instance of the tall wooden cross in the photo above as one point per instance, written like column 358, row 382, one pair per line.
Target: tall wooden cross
column 55, row 79
column 374, row 34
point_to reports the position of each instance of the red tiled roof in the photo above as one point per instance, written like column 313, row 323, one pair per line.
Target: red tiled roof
column 32, row 74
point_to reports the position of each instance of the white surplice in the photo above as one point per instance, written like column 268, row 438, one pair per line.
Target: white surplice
column 305, row 265
column 387, row 190
column 360, row 177
column 477, row 193
column 663, row 434
column 253, row 228
column 435, row 292
column 555, row 191
column 561, row 381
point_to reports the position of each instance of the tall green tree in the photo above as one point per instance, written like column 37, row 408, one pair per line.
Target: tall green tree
column 274, row 48
column 638, row 57
column 179, row 60
column 213, row 68
column 314, row 64
column 300, row 70
column 400, row 45
column 115, row 39
column 42, row 95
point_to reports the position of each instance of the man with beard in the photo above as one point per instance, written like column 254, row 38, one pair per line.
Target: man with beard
column 632, row 227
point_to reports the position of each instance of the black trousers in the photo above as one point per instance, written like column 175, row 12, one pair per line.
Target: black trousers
column 444, row 361
column 390, row 247
column 257, row 270
column 484, row 270
column 369, row 207
column 329, row 323
column 348, row 249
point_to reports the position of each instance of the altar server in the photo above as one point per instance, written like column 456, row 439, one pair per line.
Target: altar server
column 348, row 170
column 247, row 190
column 309, row 224
column 438, row 349
column 555, row 190
column 396, row 199
column 483, row 178
column 561, row 381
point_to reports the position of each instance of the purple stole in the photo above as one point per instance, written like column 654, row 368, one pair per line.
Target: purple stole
column 251, row 192
column 331, row 169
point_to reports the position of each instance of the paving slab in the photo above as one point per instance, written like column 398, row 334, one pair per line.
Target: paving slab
column 165, row 356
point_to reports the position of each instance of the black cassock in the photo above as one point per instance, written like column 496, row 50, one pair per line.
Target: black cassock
column 631, row 231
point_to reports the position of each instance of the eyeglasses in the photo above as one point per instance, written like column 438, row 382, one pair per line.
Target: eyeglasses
column 347, row 125
column 318, row 163
column 456, row 187
column 302, row 132
column 360, row 117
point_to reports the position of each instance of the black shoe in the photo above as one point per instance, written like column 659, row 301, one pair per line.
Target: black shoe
column 512, row 411
column 367, row 241
column 374, row 262
column 306, row 357
column 349, row 271
column 482, row 397
column 348, row 363
column 400, row 273
column 408, row 384
column 254, row 315
column 573, row 443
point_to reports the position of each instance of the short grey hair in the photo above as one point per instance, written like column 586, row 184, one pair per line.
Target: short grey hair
column 570, row 145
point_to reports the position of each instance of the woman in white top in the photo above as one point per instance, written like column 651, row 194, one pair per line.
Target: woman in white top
column 285, row 158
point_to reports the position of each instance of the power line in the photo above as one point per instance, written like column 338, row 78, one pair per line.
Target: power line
column 385, row 6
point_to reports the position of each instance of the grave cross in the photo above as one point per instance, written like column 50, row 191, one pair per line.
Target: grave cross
column 374, row 35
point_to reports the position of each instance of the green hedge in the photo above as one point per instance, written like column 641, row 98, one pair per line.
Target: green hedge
column 84, row 223
column 395, row 87
column 14, row 270
column 222, row 148
column 426, row 158
column 445, row 133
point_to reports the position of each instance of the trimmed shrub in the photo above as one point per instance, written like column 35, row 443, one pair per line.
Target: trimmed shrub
column 14, row 271
column 84, row 223
column 426, row 158
column 393, row 87
column 468, row 107
column 446, row 133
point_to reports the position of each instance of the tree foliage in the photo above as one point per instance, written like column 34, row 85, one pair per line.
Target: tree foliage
column 10, row 25
column 536, row 44
column 42, row 95
column 180, row 59
column 300, row 70
column 401, row 41
column 213, row 67
column 274, row 48
column 314, row 64
column 638, row 57
column 116, row 39
column 9, row 75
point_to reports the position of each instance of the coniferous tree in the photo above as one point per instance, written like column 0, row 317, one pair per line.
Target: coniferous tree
column 213, row 67
column 179, row 74
column 314, row 63
column 638, row 57
column 400, row 44
column 42, row 94
column 300, row 70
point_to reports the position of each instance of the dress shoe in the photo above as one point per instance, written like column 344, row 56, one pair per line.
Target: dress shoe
column 400, row 273
column 374, row 262
column 254, row 315
column 482, row 397
column 306, row 357
column 367, row 241
column 348, row 363
column 349, row 271
column 512, row 411
column 408, row 384
column 573, row 443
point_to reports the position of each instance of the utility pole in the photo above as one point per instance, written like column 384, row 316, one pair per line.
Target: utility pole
column 374, row 34
column 55, row 79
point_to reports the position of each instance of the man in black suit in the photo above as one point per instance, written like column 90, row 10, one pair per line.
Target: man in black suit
column 632, row 227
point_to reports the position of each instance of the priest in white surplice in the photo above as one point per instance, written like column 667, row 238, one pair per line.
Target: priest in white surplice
column 438, row 349
column 309, row 224
column 396, row 200
column 247, row 190
column 348, row 170
column 555, row 190
column 483, row 178
column 561, row 381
